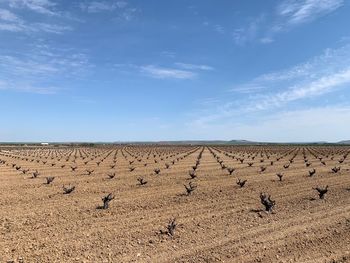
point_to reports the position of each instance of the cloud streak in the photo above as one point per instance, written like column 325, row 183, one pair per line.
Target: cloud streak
column 45, row 7
column 38, row 68
column 8, row 16
column 11, row 22
column 121, row 8
column 194, row 67
column 316, row 88
column 102, row 6
column 287, row 15
column 166, row 73
column 330, row 62
column 301, row 11
column 324, row 74
column 27, row 88
column 178, row 70
column 331, row 124
column 246, row 34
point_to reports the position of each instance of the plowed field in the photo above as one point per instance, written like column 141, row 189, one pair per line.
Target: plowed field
column 218, row 222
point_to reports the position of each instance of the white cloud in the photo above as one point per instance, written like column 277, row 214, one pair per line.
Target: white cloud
column 13, row 23
column 38, row 69
column 248, row 88
column 50, row 28
column 266, row 40
column 10, row 27
column 215, row 27
column 167, row 73
column 315, row 88
column 43, row 64
column 123, row 11
column 220, row 29
column 101, row 6
column 291, row 13
column 244, row 35
column 331, row 62
column 288, row 14
column 300, row 11
column 21, row 87
column 10, row 21
column 168, row 54
column 8, row 16
column 35, row 27
column 193, row 66
column 177, row 71
column 128, row 14
column 39, row 6
column 306, row 125
column 325, row 74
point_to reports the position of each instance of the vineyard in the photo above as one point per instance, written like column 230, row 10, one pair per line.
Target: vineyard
column 175, row 204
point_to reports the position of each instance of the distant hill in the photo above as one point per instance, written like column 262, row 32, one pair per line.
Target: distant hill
column 208, row 142
column 235, row 142
column 344, row 142
column 246, row 142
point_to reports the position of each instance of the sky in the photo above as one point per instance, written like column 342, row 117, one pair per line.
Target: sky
column 136, row 70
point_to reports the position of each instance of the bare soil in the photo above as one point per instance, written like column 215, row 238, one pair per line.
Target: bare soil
column 218, row 222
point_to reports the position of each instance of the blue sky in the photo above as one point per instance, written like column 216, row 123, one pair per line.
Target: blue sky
column 174, row 70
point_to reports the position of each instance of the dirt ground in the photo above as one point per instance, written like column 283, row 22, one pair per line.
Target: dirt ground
column 218, row 222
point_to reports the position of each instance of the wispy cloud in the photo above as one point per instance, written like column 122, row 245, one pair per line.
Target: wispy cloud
column 300, row 11
column 8, row 16
column 292, row 13
column 168, row 54
column 22, row 87
column 246, row 34
column 248, row 88
column 219, row 28
column 193, row 66
column 324, row 74
column 128, row 14
column 43, row 65
column 166, row 73
column 315, row 88
column 330, row 122
column 50, row 28
column 176, row 70
column 102, row 6
column 48, row 90
column 331, row 62
column 287, row 15
column 36, row 69
column 32, row 28
column 9, row 21
column 122, row 10
column 23, row 66
column 45, row 7
column 266, row 40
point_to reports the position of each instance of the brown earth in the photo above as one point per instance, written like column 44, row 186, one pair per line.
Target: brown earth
column 218, row 222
